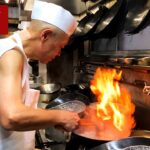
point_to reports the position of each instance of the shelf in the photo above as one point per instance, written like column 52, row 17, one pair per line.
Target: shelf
column 13, row 21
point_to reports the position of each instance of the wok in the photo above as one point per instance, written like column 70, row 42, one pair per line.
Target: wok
column 90, row 143
column 82, row 88
column 89, row 131
column 80, row 28
column 93, row 127
column 88, row 24
column 133, row 143
column 138, row 16
column 66, row 98
column 113, row 21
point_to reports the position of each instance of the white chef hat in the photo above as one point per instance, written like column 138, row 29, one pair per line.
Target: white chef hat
column 55, row 15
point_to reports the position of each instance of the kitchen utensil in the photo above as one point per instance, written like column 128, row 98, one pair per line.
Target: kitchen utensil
column 73, row 106
column 88, row 24
column 83, row 89
column 50, row 88
column 144, row 23
column 113, row 21
column 49, row 92
column 131, row 143
column 66, row 98
column 138, row 16
column 145, row 61
column 78, row 141
column 48, row 97
column 93, row 127
column 52, row 133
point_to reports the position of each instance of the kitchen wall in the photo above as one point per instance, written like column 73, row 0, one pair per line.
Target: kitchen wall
column 137, row 41
column 61, row 69
column 125, row 42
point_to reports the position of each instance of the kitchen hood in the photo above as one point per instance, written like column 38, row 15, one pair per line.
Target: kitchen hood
column 76, row 7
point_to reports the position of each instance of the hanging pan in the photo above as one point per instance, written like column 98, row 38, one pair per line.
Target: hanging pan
column 88, row 24
column 138, row 16
column 113, row 21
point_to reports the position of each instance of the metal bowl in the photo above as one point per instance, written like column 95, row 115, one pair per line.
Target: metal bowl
column 50, row 88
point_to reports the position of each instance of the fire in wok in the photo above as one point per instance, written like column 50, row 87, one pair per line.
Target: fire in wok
column 111, row 117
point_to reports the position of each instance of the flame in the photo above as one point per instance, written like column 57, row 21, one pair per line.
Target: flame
column 114, row 102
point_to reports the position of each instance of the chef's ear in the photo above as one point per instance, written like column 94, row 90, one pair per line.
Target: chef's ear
column 45, row 34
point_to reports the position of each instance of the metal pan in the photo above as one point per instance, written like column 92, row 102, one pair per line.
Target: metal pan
column 131, row 143
column 91, row 25
column 113, row 22
column 144, row 23
column 80, row 28
column 82, row 88
column 67, row 97
column 50, row 88
column 89, row 131
column 134, row 133
column 93, row 127
column 138, row 16
column 48, row 92
column 77, row 141
column 88, row 24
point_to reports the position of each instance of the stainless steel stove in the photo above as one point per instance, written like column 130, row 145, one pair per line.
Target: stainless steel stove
column 135, row 67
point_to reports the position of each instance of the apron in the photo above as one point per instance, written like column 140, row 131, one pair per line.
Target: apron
column 12, row 140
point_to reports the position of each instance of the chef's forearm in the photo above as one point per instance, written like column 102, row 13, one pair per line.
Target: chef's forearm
column 31, row 119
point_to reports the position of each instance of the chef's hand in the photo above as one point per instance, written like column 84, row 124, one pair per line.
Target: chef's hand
column 69, row 120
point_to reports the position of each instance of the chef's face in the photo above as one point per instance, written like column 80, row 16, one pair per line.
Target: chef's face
column 51, row 47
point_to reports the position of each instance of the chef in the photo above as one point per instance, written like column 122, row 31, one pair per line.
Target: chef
column 49, row 31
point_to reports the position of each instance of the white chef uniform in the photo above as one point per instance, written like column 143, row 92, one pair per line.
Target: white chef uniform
column 12, row 140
